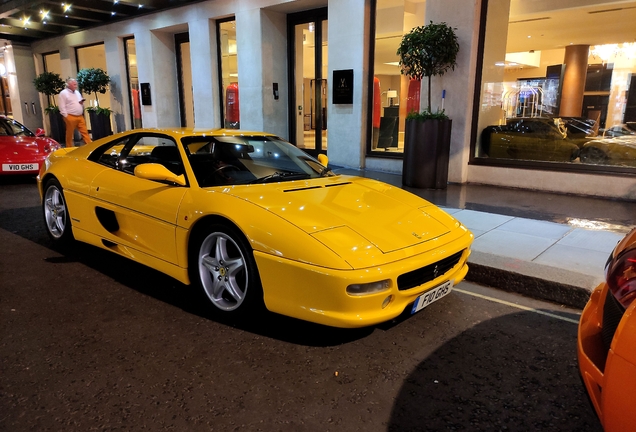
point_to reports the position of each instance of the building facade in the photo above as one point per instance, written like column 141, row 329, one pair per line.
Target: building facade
column 535, row 102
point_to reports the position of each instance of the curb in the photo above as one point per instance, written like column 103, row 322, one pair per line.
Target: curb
column 538, row 281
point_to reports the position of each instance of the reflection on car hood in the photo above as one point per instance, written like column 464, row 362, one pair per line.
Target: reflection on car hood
column 626, row 140
column 333, row 209
column 12, row 147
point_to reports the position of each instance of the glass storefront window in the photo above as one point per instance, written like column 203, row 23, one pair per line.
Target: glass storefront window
column 53, row 63
column 93, row 56
column 133, row 83
column 394, row 95
column 558, row 86
column 229, row 74
column 5, row 98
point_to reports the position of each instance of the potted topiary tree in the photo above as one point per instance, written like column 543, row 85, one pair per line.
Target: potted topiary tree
column 51, row 84
column 94, row 81
column 424, row 52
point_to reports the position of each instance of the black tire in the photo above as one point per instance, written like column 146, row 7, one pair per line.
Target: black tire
column 593, row 155
column 222, row 265
column 56, row 216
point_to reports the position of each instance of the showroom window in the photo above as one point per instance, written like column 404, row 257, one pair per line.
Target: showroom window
column 557, row 87
column 133, row 82
column 52, row 63
column 93, row 56
column 228, row 70
column 393, row 94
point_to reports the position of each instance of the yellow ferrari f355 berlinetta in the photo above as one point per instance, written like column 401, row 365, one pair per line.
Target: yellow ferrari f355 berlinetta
column 254, row 221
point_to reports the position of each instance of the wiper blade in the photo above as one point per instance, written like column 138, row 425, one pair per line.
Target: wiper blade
column 282, row 175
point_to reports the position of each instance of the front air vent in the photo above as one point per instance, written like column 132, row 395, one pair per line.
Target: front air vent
column 426, row 274
column 302, row 189
column 316, row 187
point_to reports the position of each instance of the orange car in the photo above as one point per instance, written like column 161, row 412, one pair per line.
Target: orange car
column 607, row 340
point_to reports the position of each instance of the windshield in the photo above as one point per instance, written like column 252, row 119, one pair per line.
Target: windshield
column 13, row 128
column 235, row 160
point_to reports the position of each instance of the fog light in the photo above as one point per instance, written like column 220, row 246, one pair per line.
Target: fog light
column 368, row 288
column 387, row 300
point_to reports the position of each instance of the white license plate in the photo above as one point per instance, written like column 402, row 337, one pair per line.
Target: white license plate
column 20, row 167
column 431, row 296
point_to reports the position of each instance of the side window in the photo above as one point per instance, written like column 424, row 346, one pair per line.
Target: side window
column 153, row 149
column 111, row 154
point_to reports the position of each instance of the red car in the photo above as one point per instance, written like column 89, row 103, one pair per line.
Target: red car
column 22, row 151
column 607, row 341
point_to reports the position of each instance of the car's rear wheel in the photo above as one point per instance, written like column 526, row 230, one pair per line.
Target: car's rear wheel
column 222, row 264
column 56, row 216
column 593, row 155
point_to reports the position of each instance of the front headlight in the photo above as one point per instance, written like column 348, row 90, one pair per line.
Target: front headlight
column 368, row 288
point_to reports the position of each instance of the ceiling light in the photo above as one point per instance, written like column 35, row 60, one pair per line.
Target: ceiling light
column 112, row 13
column 66, row 6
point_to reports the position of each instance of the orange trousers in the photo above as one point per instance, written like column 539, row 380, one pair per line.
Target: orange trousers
column 75, row 122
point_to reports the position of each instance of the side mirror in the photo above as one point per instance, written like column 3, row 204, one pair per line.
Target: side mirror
column 158, row 172
column 323, row 159
column 39, row 132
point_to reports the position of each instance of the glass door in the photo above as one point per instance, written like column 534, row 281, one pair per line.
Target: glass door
column 307, row 32
column 133, row 82
column 184, row 77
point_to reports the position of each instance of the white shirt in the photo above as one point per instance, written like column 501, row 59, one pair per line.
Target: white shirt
column 70, row 102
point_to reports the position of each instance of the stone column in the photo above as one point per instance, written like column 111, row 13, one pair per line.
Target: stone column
column 574, row 80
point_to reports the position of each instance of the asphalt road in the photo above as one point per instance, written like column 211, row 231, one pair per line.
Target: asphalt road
column 91, row 341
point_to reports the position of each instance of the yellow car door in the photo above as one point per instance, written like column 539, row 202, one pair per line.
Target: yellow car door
column 138, row 213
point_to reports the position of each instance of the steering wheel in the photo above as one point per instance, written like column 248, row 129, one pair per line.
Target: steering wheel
column 219, row 175
column 223, row 168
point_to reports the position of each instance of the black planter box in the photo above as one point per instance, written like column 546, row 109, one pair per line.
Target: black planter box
column 100, row 125
column 58, row 128
column 426, row 154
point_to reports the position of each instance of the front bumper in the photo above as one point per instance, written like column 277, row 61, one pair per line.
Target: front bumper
column 319, row 295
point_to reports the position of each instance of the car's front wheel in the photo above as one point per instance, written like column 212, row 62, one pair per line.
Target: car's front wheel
column 222, row 265
column 56, row 216
column 593, row 155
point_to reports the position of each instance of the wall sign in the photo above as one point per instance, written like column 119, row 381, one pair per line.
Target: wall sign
column 343, row 86
column 145, row 94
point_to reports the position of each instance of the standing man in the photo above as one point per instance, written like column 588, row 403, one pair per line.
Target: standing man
column 72, row 109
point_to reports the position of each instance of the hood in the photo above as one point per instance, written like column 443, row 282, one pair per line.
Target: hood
column 18, row 147
column 386, row 217
column 27, row 148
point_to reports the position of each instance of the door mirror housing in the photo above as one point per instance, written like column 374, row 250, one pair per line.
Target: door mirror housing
column 158, row 172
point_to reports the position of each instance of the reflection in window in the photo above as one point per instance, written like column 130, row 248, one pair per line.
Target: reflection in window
column 545, row 98
column 93, row 56
column 133, row 82
column 394, row 95
column 229, row 74
column 53, row 64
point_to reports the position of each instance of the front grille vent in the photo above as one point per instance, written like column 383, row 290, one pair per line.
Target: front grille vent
column 613, row 312
column 426, row 274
